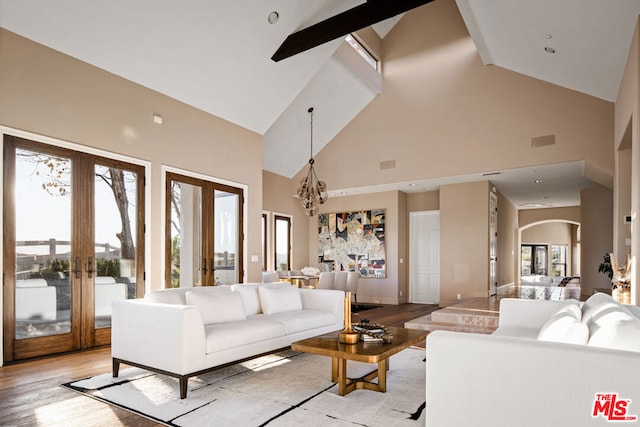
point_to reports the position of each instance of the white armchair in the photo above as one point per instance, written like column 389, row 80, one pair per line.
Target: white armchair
column 353, row 277
column 270, row 276
column 340, row 282
column 326, row 279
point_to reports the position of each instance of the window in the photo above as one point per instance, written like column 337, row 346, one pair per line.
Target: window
column 534, row 260
column 203, row 232
column 264, row 241
column 559, row 260
column 354, row 43
column 282, row 246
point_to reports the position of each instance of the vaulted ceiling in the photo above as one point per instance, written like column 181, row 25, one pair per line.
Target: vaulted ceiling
column 216, row 55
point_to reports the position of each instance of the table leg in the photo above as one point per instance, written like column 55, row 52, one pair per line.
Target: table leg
column 383, row 367
column 334, row 369
column 342, row 377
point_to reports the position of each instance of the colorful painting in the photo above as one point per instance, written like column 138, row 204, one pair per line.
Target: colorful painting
column 352, row 241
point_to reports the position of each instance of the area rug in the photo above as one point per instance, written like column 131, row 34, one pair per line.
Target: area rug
column 282, row 389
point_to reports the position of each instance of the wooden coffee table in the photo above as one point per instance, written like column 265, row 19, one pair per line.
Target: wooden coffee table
column 328, row 345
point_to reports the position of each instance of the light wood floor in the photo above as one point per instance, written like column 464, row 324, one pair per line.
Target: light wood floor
column 30, row 392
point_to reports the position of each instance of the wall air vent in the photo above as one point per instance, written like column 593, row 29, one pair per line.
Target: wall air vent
column 387, row 164
column 543, row 141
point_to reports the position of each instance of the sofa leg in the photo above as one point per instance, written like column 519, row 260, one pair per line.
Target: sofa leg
column 115, row 367
column 183, row 386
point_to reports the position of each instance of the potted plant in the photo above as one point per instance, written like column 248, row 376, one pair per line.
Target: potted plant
column 605, row 265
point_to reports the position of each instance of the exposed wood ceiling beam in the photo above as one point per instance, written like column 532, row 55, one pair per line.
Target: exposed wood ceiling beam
column 357, row 18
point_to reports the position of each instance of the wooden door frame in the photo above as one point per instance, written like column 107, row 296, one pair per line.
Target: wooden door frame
column 83, row 333
column 208, row 226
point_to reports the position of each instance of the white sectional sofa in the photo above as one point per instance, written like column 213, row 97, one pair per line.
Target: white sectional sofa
column 549, row 363
column 188, row 331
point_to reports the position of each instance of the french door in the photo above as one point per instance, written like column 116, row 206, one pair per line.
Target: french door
column 73, row 244
column 203, row 232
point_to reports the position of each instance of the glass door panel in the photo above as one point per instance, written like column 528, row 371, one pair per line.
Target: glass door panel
column 540, row 260
column 282, row 245
column 115, row 231
column 185, row 235
column 527, row 257
column 43, row 206
column 226, row 242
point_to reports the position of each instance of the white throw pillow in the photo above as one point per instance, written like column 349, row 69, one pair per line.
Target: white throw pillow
column 250, row 297
column 564, row 327
column 571, row 307
column 217, row 307
column 594, row 304
column 279, row 299
column 619, row 334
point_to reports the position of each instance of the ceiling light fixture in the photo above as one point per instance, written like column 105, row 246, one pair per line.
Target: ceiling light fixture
column 549, row 49
column 312, row 192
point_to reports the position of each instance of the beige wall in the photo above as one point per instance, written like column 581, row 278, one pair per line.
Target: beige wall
column 507, row 242
column 627, row 142
column 464, row 241
column 47, row 93
column 597, row 236
column 278, row 198
column 530, row 216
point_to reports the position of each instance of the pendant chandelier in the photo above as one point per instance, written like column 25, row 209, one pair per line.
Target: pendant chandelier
column 312, row 192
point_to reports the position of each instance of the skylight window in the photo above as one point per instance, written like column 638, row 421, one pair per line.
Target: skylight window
column 362, row 51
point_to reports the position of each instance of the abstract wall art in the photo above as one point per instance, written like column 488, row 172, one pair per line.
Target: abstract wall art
column 353, row 241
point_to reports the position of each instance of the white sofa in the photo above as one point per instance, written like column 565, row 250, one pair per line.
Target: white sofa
column 188, row 331
column 106, row 292
column 35, row 300
column 544, row 366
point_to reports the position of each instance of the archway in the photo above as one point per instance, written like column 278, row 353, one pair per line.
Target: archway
column 553, row 247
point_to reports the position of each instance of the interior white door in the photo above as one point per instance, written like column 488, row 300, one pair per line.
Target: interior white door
column 424, row 281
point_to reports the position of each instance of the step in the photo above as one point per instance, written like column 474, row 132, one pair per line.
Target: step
column 426, row 323
column 466, row 317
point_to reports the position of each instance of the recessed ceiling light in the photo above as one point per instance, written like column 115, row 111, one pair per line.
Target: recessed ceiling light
column 537, row 181
column 273, row 17
column 157, row 119
column 548, row 36
column 413, row 184
column 549, row 49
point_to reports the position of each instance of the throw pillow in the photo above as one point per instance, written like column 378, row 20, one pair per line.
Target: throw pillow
column 250, row 297
column 279, row 299
column 620, row 334
column 595, row 304
column 217, row 307
column 565, row 326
